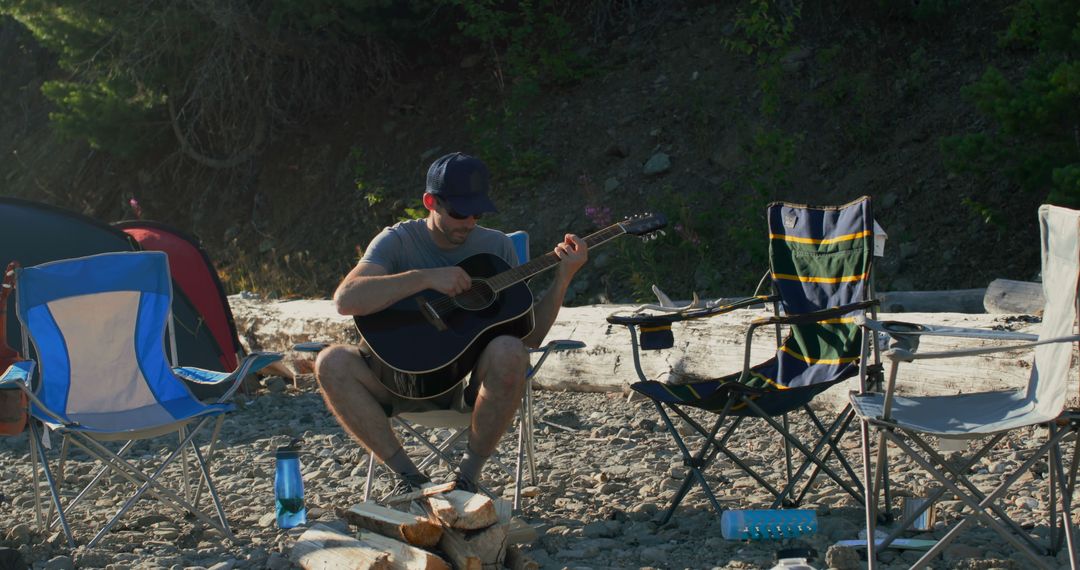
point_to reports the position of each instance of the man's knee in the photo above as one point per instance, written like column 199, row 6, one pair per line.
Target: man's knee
column 508, row 361
column 509, row 353
column 334, row 363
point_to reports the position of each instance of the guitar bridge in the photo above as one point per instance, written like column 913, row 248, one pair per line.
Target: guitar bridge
column 430, row 314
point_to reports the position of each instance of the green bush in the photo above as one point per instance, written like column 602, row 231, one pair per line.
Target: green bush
column 1036, row 116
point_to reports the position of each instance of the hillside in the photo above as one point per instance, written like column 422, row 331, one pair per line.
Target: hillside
column 857, row 105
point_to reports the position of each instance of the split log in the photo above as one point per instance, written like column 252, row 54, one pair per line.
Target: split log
column 521, row 532
column 1007, row 296
column 425, row 492
column 487, row 545
column 411, row 529
column 518, row 560
column 404, row 556
column 323, row 548
column 463, row 510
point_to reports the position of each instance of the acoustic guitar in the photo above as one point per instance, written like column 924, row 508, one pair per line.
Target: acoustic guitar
column 432, row 340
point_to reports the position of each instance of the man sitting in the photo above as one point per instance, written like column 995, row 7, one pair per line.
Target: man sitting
column 420, row 255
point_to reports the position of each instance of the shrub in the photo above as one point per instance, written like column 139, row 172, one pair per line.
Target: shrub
column 1036, row 117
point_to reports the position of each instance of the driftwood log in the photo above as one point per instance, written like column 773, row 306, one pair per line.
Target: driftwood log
column 957, row 301
column 1005, row 296
column 703, row 349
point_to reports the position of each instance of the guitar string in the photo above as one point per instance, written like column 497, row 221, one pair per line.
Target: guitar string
column 447, row 303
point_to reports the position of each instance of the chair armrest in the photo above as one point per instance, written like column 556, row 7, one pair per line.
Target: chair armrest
column 559, row 345
column 814, row 316
column 907, row 355
column 251, row 363
column 804, row 318
column 899, row 328
column 314, row 346
column 636, row 318
column 18, row 374
column 552, row 346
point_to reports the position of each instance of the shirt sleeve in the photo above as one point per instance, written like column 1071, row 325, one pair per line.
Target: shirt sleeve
column 384, row 250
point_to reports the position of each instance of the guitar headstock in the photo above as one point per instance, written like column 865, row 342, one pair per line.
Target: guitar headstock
column 646, row 226
column 8, row 284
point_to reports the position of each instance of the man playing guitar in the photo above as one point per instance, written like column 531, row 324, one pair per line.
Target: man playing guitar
column 421, row 255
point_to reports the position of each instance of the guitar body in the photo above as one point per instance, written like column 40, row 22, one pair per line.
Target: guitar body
column 431, row 355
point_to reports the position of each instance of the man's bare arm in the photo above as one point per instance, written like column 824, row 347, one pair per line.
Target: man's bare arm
column 572, row 252
column 369, row 289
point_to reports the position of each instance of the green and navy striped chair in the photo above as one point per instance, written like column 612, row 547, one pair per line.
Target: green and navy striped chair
column 820, row 265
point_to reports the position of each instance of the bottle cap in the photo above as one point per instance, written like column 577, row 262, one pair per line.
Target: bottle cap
column 291, row 451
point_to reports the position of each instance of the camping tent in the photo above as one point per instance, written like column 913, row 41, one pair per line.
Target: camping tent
column 33, row 233
column 194, row 273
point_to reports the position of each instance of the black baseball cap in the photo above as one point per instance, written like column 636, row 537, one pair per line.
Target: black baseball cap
column 462, row 182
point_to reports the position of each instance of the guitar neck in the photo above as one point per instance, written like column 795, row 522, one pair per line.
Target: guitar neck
column 549, row 260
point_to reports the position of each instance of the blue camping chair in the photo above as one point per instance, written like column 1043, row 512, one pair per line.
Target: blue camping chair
column 97, row 325
column 820, row 265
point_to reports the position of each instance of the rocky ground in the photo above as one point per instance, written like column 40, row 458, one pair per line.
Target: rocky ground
column 605, row 469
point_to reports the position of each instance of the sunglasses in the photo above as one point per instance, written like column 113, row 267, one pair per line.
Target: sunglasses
column 456, row 215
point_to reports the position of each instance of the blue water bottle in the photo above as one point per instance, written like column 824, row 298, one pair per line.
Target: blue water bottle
column 289, row 487
column 766, row 524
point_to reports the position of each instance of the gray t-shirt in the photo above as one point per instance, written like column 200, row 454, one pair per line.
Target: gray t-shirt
column 408, row 245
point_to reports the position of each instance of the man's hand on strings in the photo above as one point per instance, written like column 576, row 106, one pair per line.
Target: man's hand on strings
column 450, row 281
column 573, row 252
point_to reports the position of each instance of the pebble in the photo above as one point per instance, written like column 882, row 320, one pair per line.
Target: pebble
column 605, row 477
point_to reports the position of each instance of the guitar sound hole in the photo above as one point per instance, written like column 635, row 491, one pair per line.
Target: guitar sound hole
column 480, row 296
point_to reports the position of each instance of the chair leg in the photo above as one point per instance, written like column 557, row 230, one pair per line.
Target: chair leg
column 837, row 429
column 93, row 482
column 370, row 476
column 530, row 431
column 518, row 475
column 696, row 463
column 1067, row 525
column 35, row 442
column 976, row 506
column 211, row 449
column 828, row 442
column 1063, row 482
column 38, row 515
column 204, row 468
column 184, row 472
column 869, row 494
column 799, row 445
column 145, row 483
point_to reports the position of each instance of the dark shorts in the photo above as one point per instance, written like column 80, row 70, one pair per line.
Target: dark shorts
column 460, row 398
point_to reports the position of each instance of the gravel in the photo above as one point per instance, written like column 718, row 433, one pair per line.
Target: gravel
column 606, row 472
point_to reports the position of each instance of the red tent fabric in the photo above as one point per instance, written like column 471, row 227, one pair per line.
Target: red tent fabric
column 194, row 274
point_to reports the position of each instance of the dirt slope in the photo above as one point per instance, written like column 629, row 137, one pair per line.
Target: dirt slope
column 862, row 102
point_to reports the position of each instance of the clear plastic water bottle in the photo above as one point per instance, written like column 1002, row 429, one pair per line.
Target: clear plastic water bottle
column 289, row 487
column 793, row 564
column 767, row 524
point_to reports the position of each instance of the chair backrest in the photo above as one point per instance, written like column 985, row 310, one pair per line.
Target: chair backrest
column 521, row 244
column 97, row 324
column 1060, row 232
column 819, row 258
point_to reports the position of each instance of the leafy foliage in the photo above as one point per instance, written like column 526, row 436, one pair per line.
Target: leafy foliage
column 221, row 76
column 1034, row 139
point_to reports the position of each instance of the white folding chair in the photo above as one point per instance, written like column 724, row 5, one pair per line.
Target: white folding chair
column 907, row 421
